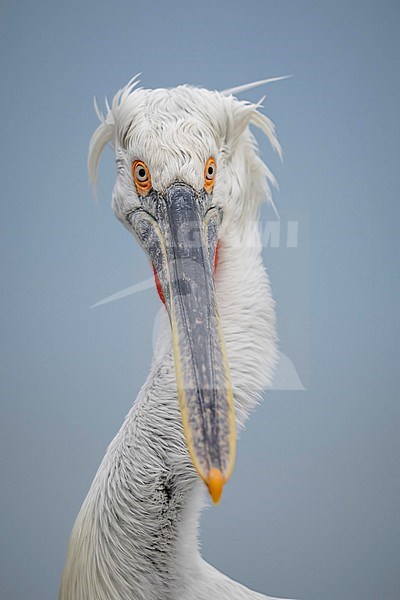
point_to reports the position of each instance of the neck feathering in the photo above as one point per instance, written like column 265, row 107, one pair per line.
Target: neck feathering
column 136, row 534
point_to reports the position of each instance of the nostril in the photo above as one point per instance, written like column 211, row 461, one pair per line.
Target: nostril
column 216, row 257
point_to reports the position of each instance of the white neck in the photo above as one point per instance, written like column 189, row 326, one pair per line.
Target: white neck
column 136, row 534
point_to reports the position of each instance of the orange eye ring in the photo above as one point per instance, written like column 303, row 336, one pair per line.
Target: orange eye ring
column 141, row 177
column 210, row 171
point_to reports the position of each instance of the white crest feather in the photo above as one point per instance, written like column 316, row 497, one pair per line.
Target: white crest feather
column 249, row 86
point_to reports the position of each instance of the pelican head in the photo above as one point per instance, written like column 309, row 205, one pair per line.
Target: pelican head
column 182, row 183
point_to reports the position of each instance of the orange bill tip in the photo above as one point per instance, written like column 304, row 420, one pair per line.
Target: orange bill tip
column 215, row 482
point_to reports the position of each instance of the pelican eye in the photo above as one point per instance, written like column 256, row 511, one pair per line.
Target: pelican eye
column 210, row 171
column 141, row 176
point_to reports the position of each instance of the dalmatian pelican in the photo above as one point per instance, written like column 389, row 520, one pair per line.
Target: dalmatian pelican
column 189, row 186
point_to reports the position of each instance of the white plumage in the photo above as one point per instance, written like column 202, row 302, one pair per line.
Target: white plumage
column 135, row 537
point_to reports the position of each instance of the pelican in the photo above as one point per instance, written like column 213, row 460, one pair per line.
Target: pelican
column 189, row 186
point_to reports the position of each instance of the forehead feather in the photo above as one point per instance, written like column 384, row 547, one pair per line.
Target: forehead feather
column 176, row 118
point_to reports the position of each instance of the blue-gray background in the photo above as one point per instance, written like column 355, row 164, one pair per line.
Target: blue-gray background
column 312, row 509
